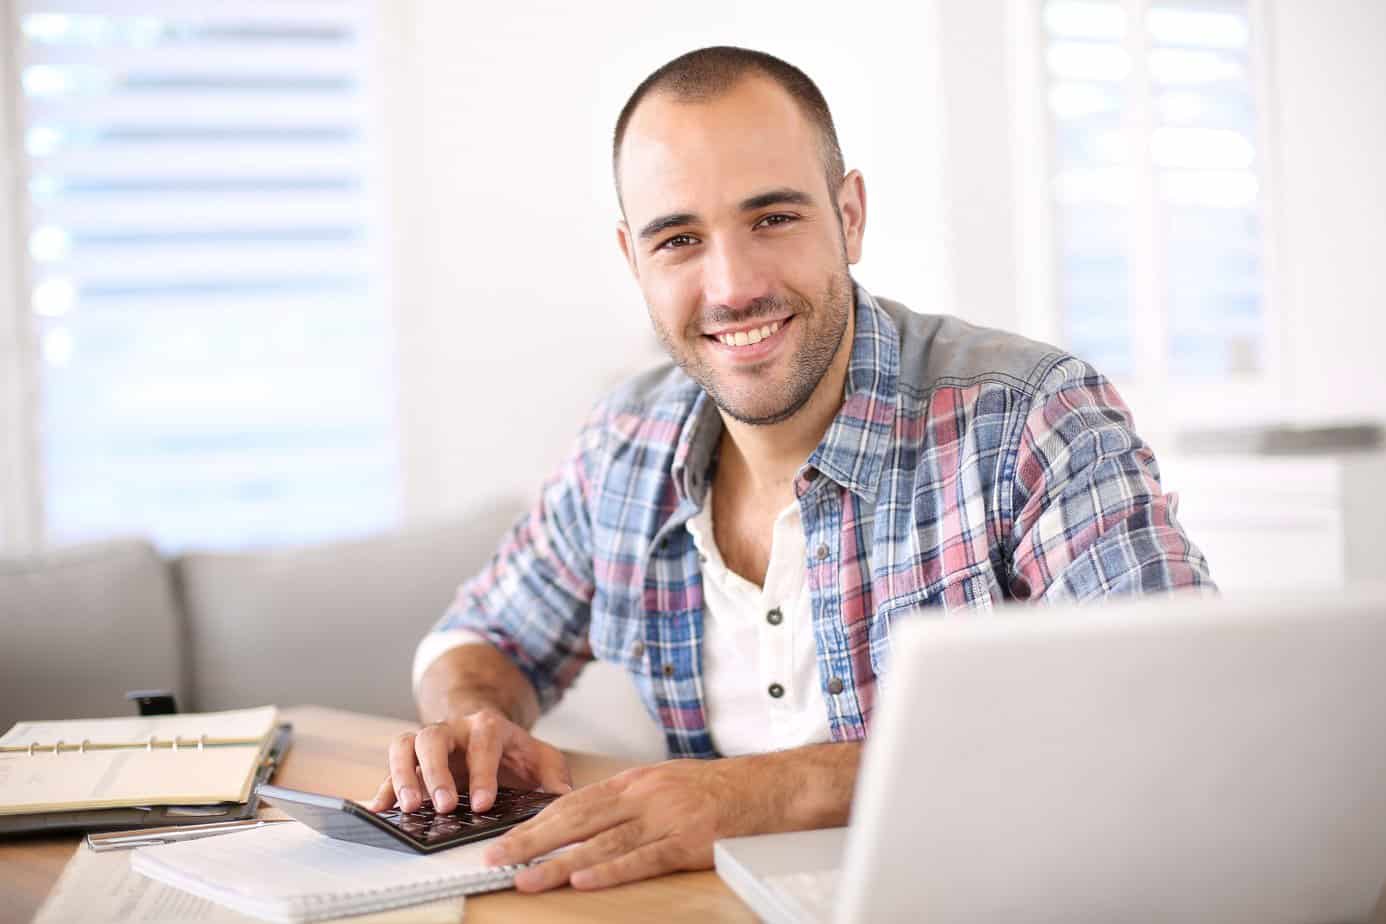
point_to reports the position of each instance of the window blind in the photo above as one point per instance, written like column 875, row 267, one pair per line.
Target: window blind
column 1158, row 186
column 214, row 353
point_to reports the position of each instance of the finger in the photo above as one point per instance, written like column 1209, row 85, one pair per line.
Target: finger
column 403, row 774
column 579, row 815
column 650, row 860
column 607, row 845
column 432, row 746
column 484, row 744
column 553, row 771
column 383, row 796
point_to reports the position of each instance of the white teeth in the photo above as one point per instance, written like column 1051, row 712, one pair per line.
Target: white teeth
column 748, row 337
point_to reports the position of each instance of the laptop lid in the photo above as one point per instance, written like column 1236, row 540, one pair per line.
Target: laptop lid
column 1171, row 759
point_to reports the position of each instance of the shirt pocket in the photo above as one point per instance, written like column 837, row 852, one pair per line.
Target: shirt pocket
column 973, row 589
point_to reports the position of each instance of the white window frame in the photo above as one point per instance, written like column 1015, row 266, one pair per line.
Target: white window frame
column 1162, row 405
column 21, row 519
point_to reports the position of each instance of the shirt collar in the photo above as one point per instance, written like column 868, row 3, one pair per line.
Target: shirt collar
column 852, row 451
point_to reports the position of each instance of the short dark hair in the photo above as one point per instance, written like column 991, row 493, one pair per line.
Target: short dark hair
column 707, row 73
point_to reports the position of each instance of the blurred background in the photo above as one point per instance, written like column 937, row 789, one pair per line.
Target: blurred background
column 297, row 272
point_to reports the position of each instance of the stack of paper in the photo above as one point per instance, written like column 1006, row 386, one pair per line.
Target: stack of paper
column 290, row 873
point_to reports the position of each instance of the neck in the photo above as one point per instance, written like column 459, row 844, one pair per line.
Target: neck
column 768, row 457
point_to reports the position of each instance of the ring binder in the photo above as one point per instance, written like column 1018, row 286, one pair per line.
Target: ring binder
column 125, row 762
column 148, row 744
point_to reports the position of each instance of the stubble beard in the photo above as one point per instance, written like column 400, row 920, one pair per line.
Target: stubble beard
column 824, row 323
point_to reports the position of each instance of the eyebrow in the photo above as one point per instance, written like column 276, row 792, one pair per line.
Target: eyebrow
column 782, row 196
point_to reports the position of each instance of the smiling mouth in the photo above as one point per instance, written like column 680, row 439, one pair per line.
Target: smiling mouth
column 745, row 338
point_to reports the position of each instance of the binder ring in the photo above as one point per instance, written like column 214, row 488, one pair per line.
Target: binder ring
column 57, row 747
column 201, row 741
column 149, row 744
column 83, row 748
column 175, row 744
column 32, row 745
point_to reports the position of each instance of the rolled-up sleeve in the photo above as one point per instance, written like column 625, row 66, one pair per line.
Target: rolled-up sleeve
column 533, row 599
column 1089, row 516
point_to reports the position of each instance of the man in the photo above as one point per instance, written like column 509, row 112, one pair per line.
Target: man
column 740, row 532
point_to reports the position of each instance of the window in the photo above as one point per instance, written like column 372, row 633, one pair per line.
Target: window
column 1156, row 186
column 211, row 342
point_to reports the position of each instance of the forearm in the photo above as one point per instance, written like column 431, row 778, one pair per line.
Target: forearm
column 663, row 817
column 472, row 677
column 799, row 789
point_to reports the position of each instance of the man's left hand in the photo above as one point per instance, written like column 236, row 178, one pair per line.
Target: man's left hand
column 640, row 823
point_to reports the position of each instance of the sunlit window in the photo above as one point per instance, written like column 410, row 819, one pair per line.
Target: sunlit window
column 214, row 348
column 1156, row 167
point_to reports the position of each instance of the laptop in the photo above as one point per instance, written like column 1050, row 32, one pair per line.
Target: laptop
column 1182, row 758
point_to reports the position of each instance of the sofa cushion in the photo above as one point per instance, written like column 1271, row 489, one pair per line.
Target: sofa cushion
column 81, row 626
column 332, row 624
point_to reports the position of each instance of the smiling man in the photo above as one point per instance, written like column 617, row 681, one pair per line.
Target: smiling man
column 740, row 530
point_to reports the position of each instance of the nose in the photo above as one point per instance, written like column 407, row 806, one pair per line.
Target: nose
column 733, row 277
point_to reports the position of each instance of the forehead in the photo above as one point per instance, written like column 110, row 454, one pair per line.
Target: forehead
column 704, row 156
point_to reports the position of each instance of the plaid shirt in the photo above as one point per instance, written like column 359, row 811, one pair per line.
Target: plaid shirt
column 965, row 467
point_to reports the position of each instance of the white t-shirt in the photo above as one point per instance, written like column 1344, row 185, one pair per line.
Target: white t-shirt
column 758, row 642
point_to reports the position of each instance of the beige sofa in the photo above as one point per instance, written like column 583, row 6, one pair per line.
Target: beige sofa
column 333, row 624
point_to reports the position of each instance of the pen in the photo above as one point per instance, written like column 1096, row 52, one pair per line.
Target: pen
column 124, row 840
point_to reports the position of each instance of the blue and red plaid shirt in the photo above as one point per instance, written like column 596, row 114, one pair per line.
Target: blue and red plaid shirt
column 966, row 467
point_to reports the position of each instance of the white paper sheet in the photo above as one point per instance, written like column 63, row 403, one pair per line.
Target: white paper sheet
column 100, row 888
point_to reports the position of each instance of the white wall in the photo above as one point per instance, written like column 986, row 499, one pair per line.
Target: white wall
column 975, row 138
column 516, row 309
column 19, row 527
column 1329, row 72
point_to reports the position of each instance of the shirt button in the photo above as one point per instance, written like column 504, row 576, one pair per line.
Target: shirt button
column 774, row 617
column 776, row 690
column 835, row 686
column 822, row 552
column 668, row 670
column 702, row 559
column 638, row 650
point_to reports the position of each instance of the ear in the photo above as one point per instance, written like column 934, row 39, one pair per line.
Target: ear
column 627, row 247
column 851, row 202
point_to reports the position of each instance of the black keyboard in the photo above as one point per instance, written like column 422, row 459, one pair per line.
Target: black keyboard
column 431, row 827
column 423, row 831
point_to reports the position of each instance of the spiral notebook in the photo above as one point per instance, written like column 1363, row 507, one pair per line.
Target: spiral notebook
column 193, row 758
column 291, row 873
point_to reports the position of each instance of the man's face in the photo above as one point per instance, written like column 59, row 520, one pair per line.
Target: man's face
column 737, row 244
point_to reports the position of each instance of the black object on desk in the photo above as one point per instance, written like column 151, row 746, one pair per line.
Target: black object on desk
column 154, row 702
column 423, row 831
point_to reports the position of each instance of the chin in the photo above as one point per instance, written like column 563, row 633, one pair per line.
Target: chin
column 760, row 413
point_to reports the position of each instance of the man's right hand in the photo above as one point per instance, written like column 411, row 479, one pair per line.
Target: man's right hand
column 483, row 749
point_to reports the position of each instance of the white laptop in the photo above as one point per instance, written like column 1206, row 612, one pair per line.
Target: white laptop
column 1175, row 759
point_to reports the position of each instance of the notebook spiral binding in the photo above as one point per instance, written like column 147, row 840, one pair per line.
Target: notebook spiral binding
column 327, row 904
column 200, row 743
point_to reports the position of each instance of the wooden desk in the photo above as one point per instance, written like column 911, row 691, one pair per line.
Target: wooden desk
column 343, row 754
